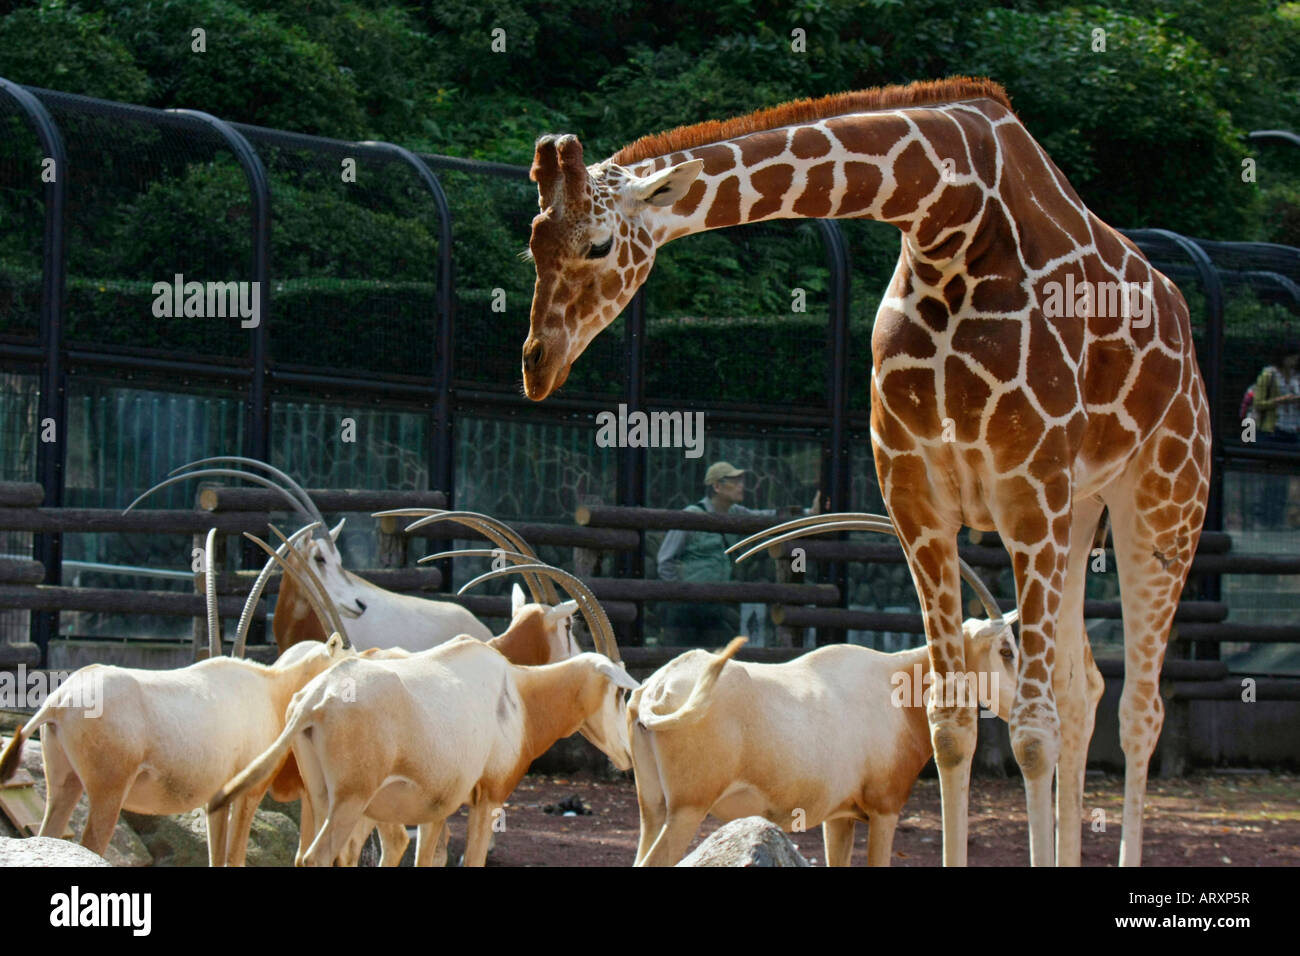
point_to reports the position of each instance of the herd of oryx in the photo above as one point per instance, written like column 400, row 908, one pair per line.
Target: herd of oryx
column 397, row 711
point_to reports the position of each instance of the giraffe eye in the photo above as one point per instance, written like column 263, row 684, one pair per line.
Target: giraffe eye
column 601, row 250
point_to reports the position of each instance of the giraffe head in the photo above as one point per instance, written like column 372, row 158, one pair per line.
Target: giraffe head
column 593, row 245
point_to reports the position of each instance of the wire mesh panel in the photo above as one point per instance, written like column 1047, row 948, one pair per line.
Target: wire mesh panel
column 1261, row 284
column 22, row 225
column 354, row 253
column 155, row 200
column 121, row 440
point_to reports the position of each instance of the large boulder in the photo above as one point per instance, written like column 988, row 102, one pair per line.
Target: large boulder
column 750, row 841
column 46, row 851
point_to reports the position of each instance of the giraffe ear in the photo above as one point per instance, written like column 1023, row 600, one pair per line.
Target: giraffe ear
column 546, row 171
column 666, row 187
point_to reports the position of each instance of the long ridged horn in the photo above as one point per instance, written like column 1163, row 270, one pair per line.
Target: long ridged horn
column 308, row 506
column 855, row 521
column 307, row 587
column 602, row 632
column 305, row 570
column 255, row 595
column 226, row 473
column 494, row 529
column 210, row 594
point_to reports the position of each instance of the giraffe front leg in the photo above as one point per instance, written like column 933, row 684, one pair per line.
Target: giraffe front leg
column 950, row 703
column 1037, row 535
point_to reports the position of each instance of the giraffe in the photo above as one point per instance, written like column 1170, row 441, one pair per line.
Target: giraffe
column 1013, row 387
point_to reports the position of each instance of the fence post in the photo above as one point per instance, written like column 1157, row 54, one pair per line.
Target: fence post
column 51, row 457
column 837, row 459
column 632, row 461
column 442, row 471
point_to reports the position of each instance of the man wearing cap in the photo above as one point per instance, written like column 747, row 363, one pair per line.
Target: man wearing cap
column 701, row 556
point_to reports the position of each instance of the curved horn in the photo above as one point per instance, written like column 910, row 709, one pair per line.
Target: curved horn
column 308, row 590
column 255, row 594
column 308, row 505
column 305, row 570
column 210, row 594
column 602, row 632
column 224, row 473
column 853, row 521
column 495, row 530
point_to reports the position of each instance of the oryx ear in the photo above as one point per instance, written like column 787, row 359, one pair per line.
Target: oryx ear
column 334, row 531
column 617, row 675
column 667, row 186
column 334, row 646
column 516, row 599
column 561, row 611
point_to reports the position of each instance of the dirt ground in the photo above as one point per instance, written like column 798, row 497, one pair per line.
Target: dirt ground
column 1209, row 819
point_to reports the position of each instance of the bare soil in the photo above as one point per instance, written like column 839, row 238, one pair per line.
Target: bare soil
column 1208, row 819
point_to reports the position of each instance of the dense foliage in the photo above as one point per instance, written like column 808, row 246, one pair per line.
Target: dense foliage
column 1145, row 106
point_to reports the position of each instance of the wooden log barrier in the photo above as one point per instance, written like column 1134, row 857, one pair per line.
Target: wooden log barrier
column 21, row 494
column 328, row 500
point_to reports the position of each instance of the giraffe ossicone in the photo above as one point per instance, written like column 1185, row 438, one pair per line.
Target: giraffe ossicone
column 1030, row 368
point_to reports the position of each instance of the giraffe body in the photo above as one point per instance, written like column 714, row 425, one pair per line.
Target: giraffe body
column 1030, row 367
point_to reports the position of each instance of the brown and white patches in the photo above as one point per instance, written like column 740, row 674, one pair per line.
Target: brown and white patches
column 915, row 177
column 861, row 188
column 725, row 208
column 955, row 208
column 815, row 200
column 771, row 183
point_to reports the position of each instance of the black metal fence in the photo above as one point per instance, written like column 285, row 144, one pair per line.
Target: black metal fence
column 385, row 294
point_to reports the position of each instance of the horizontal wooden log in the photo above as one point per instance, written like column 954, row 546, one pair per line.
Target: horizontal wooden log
column 652, row 658
column 1229, row 631
column 619, row 612
column 911, row 623
column 20, row 652
column 21, row 571
column 1231, row 689
column 111, row 520
column 886, row 551
column 391, row 579
column 537, row 534
column 328, row 500
column 1237, row 563
column 667, row 519
column 1173, row 669
column 717, row 592
column 111, row 601
column 21, row 494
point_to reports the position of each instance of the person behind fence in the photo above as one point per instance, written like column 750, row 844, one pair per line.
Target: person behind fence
column 1276, row 408
column 701, row 556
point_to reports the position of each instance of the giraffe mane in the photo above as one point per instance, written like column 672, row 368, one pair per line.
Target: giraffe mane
column 921, row 93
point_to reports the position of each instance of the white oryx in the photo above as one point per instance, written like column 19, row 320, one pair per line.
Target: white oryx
column 163, row 740
column 376, row 617
column 411, row 740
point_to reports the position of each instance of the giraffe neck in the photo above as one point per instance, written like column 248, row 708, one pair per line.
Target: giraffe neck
column 892, row 166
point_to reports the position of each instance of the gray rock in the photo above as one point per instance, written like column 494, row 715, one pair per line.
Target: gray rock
column 177, row 840
column 124, row 849
column 272, row 841
column 46, row 851
column 750, row 841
